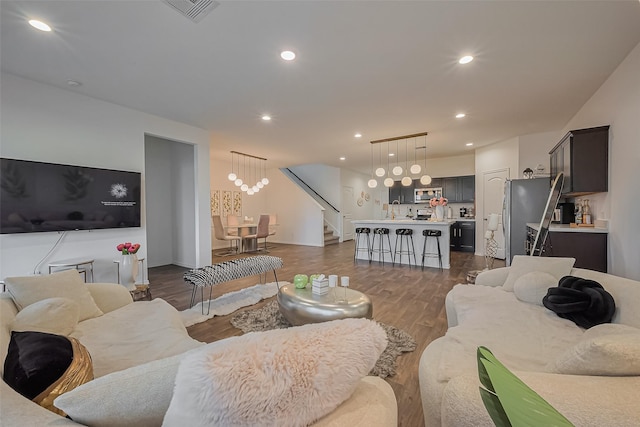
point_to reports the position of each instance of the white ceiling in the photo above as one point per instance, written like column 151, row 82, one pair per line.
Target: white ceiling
column 382, row 68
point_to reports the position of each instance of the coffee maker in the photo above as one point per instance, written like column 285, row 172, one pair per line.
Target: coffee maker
column 463, row 212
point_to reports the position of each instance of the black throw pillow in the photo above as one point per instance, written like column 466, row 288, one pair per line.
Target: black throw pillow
column 583, row 301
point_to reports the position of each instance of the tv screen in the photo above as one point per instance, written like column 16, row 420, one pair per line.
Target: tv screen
column 36, row 197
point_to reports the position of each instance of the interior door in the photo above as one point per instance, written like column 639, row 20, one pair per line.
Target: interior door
column 493, row 194
column 348, row 203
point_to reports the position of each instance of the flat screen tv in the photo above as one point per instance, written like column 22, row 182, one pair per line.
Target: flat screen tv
column 37, row 197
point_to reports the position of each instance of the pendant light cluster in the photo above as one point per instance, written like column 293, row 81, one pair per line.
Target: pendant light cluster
column 257, row 172
column 397, row 170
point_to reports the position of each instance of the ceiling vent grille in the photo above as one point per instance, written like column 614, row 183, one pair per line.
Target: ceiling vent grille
column 195, row 10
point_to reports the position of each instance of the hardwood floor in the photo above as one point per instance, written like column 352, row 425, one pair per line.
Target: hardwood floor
column 410, row 299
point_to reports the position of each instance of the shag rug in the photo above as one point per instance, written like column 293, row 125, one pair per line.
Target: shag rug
column 269, row 317
column 229, row 302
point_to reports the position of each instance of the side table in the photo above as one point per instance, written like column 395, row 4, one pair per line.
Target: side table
column 83, row 265
column 142, row 292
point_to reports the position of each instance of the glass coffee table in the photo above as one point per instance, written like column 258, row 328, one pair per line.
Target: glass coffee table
column 301, row 306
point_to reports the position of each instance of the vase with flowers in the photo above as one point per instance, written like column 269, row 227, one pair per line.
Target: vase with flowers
column 128, row 265
column 439, row 203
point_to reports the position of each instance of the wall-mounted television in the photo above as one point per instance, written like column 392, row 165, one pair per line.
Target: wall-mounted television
column 37, row 197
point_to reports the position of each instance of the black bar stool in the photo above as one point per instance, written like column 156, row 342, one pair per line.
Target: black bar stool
column 404, row 235
column 380, row 250
column 359, row 233
column 425, row 254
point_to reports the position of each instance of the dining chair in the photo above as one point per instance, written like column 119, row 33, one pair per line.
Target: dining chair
column 219, row 233
column 262, row 231
column 232, row 221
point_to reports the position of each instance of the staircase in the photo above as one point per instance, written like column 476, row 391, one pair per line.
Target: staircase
column 329, row 237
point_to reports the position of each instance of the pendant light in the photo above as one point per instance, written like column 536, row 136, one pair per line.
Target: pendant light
column 380, row 172
column 250, row 191
column 255, row 176
column 259, row 184
column 425, row 179
column 415, row 167
column 372, row 182
column 265, row 180
column 397, row 170
column 232, row 176
column 406, row 180
column 244, row 187
column 388, row 181
column 238, row 181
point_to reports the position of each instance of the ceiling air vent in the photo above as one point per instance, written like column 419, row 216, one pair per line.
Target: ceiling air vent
column 195, row 10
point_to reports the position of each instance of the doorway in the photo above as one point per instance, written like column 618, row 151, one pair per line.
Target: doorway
column 347, row 213
column 170, row 201
column 492, row 195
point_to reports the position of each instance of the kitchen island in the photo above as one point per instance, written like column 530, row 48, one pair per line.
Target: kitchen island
column 418, row 240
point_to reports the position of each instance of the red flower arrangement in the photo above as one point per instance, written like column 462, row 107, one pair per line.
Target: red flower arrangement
column 442, row 201
column 128, row 248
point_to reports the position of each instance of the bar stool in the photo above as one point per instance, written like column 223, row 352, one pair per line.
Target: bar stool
column 404, row 235
column 359, row 233
column 425, row 254
column 380, row 232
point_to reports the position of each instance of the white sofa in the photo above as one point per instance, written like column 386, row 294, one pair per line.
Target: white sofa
column 550, row 354
column 146, row 340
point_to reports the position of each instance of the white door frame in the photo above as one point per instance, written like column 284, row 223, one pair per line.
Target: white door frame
column 348, row 204
column 501, row 174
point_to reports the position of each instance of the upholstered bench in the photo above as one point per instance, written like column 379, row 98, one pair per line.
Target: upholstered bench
column 226, row 271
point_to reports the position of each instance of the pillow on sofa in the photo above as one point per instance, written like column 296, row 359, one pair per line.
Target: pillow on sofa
column 607, row 349
column 52, row 315
column 134, row 397
column 43, row 366
column 283, row 377
column 532, row 287
column 522, row 264
column 27, row 290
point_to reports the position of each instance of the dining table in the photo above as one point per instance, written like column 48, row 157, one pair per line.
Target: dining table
column 248, row 245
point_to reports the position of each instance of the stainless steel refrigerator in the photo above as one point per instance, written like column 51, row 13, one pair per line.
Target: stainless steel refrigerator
column 524, row 201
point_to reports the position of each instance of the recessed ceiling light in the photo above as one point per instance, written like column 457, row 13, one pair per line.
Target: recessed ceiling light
column 460, row 115
column 343, row 158
column 287, row 55
column 39, row 25
column 469, row 144
column 465, row 59
column 358, row 135
column 391, row 154
column 266, row 117
column 73, row 83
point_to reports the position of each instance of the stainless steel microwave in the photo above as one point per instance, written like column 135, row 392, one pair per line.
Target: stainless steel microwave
column 423, row 195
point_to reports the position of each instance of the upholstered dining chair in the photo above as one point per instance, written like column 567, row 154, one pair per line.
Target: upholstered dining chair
column 232, row 221
column 262, row 232
column 219, row 233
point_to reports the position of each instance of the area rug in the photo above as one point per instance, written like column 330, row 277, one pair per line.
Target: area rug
column 229, row 302
column 269, row 317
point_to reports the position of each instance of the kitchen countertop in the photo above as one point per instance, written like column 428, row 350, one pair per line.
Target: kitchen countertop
column 566, row 228
column 404, row 221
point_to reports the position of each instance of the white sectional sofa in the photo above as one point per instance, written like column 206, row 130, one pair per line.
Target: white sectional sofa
column 136, row 348
column 591, row 376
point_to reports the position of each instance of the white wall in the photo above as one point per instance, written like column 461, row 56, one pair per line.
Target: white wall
column 43, row 123
column 617, row 103
column 533, row 150
column 325, row 180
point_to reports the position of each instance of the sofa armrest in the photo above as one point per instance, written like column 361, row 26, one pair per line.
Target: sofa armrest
column 583, row 400
column 17, row 410
column 372, row 404
column 109, row 296
column 495, row 277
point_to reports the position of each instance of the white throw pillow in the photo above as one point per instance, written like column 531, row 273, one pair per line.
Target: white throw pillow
column 52, row 315
column 532, row 287
column 522, row 264
column 64, row 284
column 283, row 377
column 134, row 397
column 601, row 353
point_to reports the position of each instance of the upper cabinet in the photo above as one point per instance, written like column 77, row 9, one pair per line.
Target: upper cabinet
column 459, row 189
column 583, row 156
column 401, row 193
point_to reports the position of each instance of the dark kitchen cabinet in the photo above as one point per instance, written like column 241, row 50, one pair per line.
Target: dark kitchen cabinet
column 401, row 193
column 588, row 248
column 459, row 189
column 583, row 156
column 463, row 236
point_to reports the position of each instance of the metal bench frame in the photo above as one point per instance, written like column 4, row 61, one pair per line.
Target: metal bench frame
column 226, row 271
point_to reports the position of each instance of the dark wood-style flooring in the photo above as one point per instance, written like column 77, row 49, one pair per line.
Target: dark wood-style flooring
column 410, row 299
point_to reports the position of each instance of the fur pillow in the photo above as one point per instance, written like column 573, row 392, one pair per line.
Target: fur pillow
column 521, row 265
column 66, row 284
column 606, row 349
column 532, row 287
column 52, row 315
column 283, row 377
